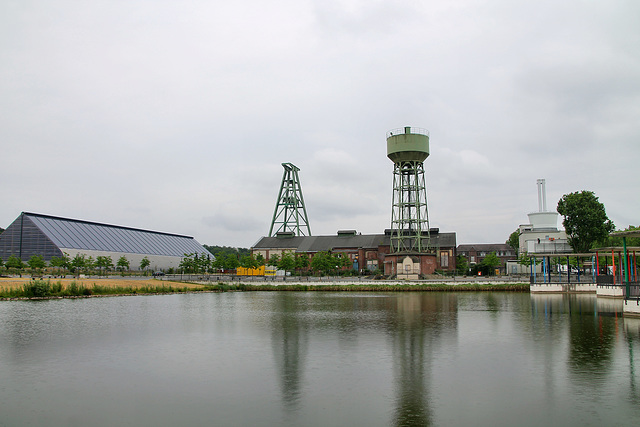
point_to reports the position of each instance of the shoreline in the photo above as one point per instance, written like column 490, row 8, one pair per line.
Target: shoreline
column 45, row 289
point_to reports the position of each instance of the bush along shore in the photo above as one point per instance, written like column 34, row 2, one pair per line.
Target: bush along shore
column 45, row 289
column 399, row 287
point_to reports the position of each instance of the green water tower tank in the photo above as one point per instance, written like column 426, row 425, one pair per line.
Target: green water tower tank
column 410, row 144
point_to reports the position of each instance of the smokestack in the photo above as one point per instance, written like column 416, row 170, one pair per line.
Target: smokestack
column 542, row 196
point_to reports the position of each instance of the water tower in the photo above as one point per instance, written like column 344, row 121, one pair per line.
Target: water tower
column 408, row 148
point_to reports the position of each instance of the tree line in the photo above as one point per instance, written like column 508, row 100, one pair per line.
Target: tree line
column 80, row 264
column 322, row 263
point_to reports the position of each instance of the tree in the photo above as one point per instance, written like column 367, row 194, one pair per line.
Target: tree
column 247, row 261
column 62, row 262
column 462, row 265
column 78, row 263
column 514, row 241
column 617, row 240
column 287, row 262
column 14, row 262
column 490, row 262
column 123, row 263
column 274, row 260
column 104, row 263
column 302, row 261
column 144, row 263
column 36, row 262
column 321, row 262
column 585, row 220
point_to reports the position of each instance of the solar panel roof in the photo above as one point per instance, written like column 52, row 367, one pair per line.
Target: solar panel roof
column 77, row 234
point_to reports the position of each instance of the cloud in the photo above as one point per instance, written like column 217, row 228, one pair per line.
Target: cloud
column 177, row 117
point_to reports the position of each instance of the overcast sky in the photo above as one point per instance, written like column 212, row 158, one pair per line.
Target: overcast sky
column 176, row 116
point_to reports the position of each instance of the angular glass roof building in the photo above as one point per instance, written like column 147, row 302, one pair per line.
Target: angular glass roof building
column 49, row 236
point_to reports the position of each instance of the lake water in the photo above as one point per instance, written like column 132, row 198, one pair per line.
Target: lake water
column 320, row 359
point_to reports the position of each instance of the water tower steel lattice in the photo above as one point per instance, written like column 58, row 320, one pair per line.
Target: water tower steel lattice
column 408, row 148
column 290, row 214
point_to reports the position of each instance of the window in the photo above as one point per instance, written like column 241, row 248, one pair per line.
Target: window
column 444, row 259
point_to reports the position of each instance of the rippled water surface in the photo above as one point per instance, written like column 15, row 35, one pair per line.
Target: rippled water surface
column 320, row 359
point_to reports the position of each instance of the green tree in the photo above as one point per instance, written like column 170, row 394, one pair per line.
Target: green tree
column 287, row 262
column 585, row 220
column 122, row 264
column 302, row 261
column 247, row 261
column 1, row 263
column 15, row 263
column 144, row 263
column 273, row 260
column 78, row 263
column 462, row 265
column 617, row 240
column 491, row 262
column 187, row 264
column 219, row 260
column 104, row 263
column 260, row 259
column 524, row 260
column 322, row 263
column 514, row 241
column 61, row 263
column 36, row 263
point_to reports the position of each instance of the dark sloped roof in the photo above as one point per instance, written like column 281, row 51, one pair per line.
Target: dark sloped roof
column 86, row 235
column 487, row 247
column 331, row 243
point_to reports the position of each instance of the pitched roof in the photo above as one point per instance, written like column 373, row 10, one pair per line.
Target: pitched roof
column 487, row 247
column 68, row 233
column 349, row 241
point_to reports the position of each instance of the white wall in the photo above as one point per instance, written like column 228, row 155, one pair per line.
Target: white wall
column 158, row 262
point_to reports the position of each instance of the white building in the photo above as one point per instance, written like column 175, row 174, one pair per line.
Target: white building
column 541, row 234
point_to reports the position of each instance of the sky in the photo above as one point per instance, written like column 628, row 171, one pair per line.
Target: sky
column 176, row 116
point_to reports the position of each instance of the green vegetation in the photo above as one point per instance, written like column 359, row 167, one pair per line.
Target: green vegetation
column 462, row 265
column 617, row 240
column 585, row 220
column 227, row 250
column 514, row 241
column 398, row 287
column 144, row 263
column 122, row 264
column 14, row 263
column 48, row 289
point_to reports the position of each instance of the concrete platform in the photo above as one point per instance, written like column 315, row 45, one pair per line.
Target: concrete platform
column 631, row 308
column 610, row 291
column 563, row 288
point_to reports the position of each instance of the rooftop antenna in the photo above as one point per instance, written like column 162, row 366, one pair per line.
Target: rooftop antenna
column 290, row 214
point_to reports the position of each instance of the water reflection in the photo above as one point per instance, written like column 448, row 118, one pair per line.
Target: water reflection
column 415, row 327
column 289, row 340
column 320, row 358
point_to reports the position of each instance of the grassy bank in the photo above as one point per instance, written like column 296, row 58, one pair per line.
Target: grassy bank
column 59, row 289
column 49, row 289
column 400, row 287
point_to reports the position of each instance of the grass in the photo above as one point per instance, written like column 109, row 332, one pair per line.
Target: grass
column 400, row 287
column 65, row 288
column 34, row 289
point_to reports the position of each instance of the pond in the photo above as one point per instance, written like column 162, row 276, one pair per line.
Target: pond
column 320, row 359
